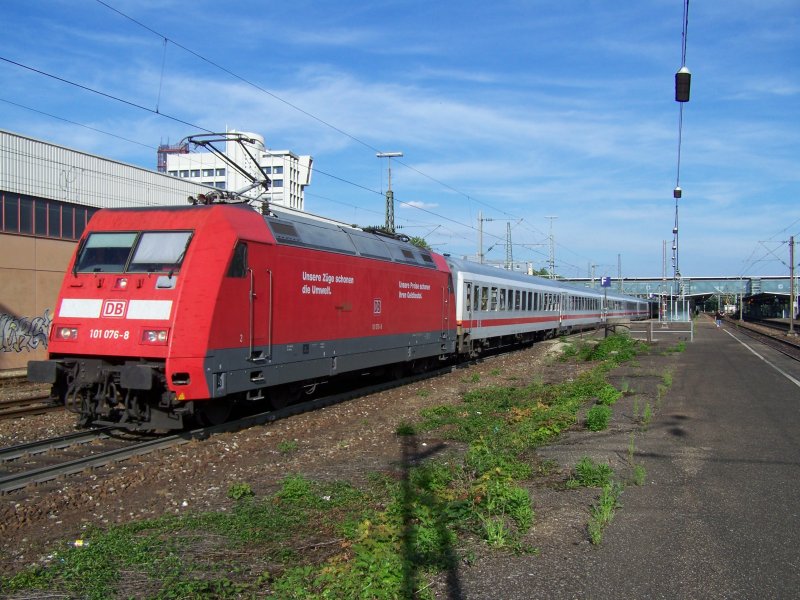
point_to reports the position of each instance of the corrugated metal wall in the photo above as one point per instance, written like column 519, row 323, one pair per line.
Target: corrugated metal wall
column 41, row 169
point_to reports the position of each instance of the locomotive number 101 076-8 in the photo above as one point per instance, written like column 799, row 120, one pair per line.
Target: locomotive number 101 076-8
column 109, row 334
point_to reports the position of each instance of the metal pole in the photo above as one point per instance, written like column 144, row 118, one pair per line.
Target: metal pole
column 792, row 295
column 389, row 193
column 552, row 263
column 480, row 236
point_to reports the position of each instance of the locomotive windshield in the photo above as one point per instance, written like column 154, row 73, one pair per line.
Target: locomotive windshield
column 138, row 252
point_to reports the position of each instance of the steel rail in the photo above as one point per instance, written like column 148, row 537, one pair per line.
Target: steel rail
column 54, row 443
column 785, row 346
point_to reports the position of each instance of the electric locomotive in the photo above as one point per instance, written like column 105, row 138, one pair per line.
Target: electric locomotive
column 172, row 313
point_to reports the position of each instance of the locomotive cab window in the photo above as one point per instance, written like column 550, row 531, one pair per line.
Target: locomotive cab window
column 238, row 266
column 105, row 253
column 131, row 251
column 160, row 251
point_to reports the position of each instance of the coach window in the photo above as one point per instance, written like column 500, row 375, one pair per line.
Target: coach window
column 484, row 298
column 238, row 266
column 493, row 299
column 502, row 304
column 468, row 297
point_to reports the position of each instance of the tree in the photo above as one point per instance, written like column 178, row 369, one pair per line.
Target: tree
column 420, row 242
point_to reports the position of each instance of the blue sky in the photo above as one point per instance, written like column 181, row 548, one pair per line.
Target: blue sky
column 520, row 110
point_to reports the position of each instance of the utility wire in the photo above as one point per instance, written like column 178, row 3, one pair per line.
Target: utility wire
column 104, row 94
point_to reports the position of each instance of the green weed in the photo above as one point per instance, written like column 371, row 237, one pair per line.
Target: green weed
column 588, row 473
column 597, row 417
column 647, row 416
column 602, row 513
column 237, row 491
column 287, row 446
column 405, row 429
column 639, row 475
column 608, row 395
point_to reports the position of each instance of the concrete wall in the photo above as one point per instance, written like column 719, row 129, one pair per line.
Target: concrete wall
column 31, row 271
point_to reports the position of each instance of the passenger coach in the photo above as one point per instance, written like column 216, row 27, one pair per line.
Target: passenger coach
column 495, row 307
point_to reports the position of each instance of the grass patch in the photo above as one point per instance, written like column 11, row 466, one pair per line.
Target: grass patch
column 676, row 349
column 588, row 473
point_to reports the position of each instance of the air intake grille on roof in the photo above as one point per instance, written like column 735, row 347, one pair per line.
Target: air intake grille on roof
column 285, row 231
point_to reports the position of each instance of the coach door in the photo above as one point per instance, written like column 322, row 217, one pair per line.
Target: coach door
column 469, row 301
column 447, row 293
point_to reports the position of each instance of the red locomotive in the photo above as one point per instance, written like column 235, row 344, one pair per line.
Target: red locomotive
column 172, row 312
column 177, row 312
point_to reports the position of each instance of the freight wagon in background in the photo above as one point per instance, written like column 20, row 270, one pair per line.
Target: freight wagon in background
column 174, row 314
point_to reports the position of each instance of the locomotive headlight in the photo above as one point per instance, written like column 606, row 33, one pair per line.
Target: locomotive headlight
column 155, row 336
column 66, row 333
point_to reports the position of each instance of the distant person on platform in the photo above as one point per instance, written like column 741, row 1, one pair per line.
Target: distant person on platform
column 718, row 318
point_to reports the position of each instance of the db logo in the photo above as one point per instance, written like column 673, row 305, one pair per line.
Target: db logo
column 114, row 308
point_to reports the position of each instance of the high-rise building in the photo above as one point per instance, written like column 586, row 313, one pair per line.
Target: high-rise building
column 289, row 173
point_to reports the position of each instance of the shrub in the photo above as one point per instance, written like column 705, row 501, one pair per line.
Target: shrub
column 597, row 417
column 608, row 395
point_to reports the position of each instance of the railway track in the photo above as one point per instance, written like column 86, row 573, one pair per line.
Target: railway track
column 46, row 460
column 33, row 405
column 780, row 342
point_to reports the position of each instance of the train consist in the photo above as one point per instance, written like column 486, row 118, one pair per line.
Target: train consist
column 170, row 315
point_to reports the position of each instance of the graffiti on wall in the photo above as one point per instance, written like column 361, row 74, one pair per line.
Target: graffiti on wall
column 19, row 334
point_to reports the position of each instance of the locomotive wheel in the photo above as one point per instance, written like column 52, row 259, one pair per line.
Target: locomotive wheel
column 213, row 412
column 283, row 395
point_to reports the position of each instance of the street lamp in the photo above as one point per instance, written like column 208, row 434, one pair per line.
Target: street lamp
column 389, row 193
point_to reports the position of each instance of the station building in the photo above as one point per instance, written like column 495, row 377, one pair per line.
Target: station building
column 49, row 192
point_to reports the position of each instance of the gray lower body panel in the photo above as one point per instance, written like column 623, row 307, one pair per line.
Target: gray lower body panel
column 234, row 371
